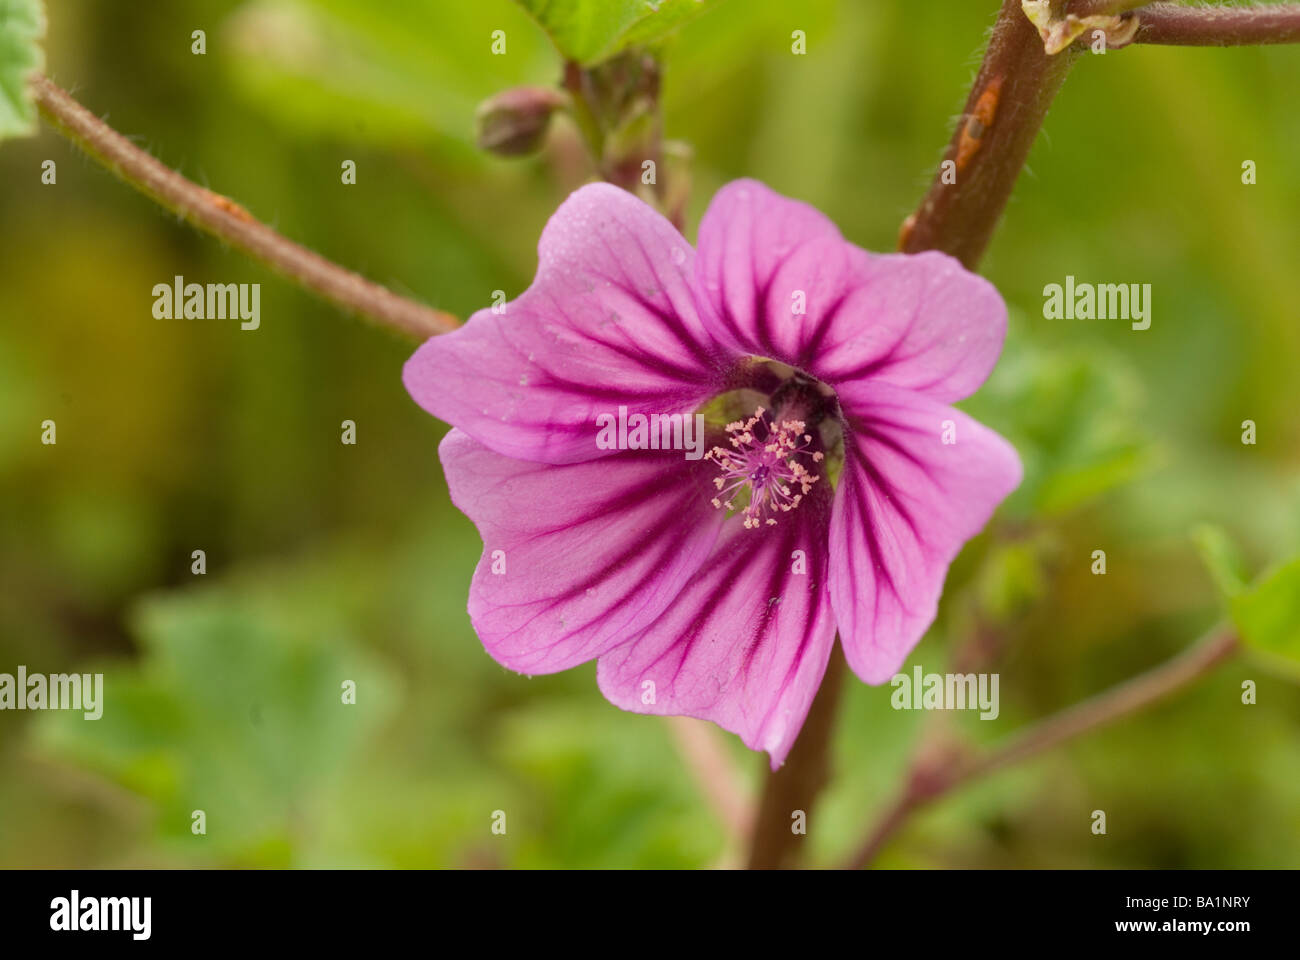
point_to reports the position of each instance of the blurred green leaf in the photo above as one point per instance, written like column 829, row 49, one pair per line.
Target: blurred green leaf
column 593, row 30
column 22, row 24
column 1267, row 611
column 236, row 710
column 1072, row 416
column 617, row 792
column 1222, row 558
column 1267, row 614
column 378, row 72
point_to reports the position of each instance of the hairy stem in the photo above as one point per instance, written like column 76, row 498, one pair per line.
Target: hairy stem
column 1174, row 24
column 230, row 222
column 928, row 781
column 795, row 785
column 1015, row 85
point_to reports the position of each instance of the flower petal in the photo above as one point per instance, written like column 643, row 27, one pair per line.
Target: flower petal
column 747, row 234
column 782, row 283
column 905, row 505
column 610, row 319
column 920, row 321
column 747, row 641
column 577, row 557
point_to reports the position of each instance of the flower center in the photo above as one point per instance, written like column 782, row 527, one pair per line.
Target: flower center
column 764, row 461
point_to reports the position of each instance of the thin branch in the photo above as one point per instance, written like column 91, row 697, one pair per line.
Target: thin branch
column 928, row 780
column 230, row 222
column 1128, row 697
column 1176, row 25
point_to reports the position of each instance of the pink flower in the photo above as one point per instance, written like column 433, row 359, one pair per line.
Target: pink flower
column 836, row 499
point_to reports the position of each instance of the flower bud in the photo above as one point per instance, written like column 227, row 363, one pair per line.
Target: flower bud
column 514, row 122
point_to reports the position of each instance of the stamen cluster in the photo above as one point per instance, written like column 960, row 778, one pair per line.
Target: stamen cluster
column 765, row 460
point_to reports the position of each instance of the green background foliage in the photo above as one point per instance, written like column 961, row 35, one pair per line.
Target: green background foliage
column 21, row 24
column 330, row 562
column 589, row 31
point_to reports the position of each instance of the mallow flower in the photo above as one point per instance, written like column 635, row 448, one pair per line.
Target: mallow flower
column 834, row 483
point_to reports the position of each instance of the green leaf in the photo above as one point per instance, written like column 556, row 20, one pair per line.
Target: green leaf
column 235, row 708
column 1267, row 614
column 618, row 796
column 1222, row 558
column 1072, row 415
column 385, row 73
column 22, row 24
column 593, row 30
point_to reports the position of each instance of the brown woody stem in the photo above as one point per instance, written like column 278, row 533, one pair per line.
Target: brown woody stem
column 1015, row 85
